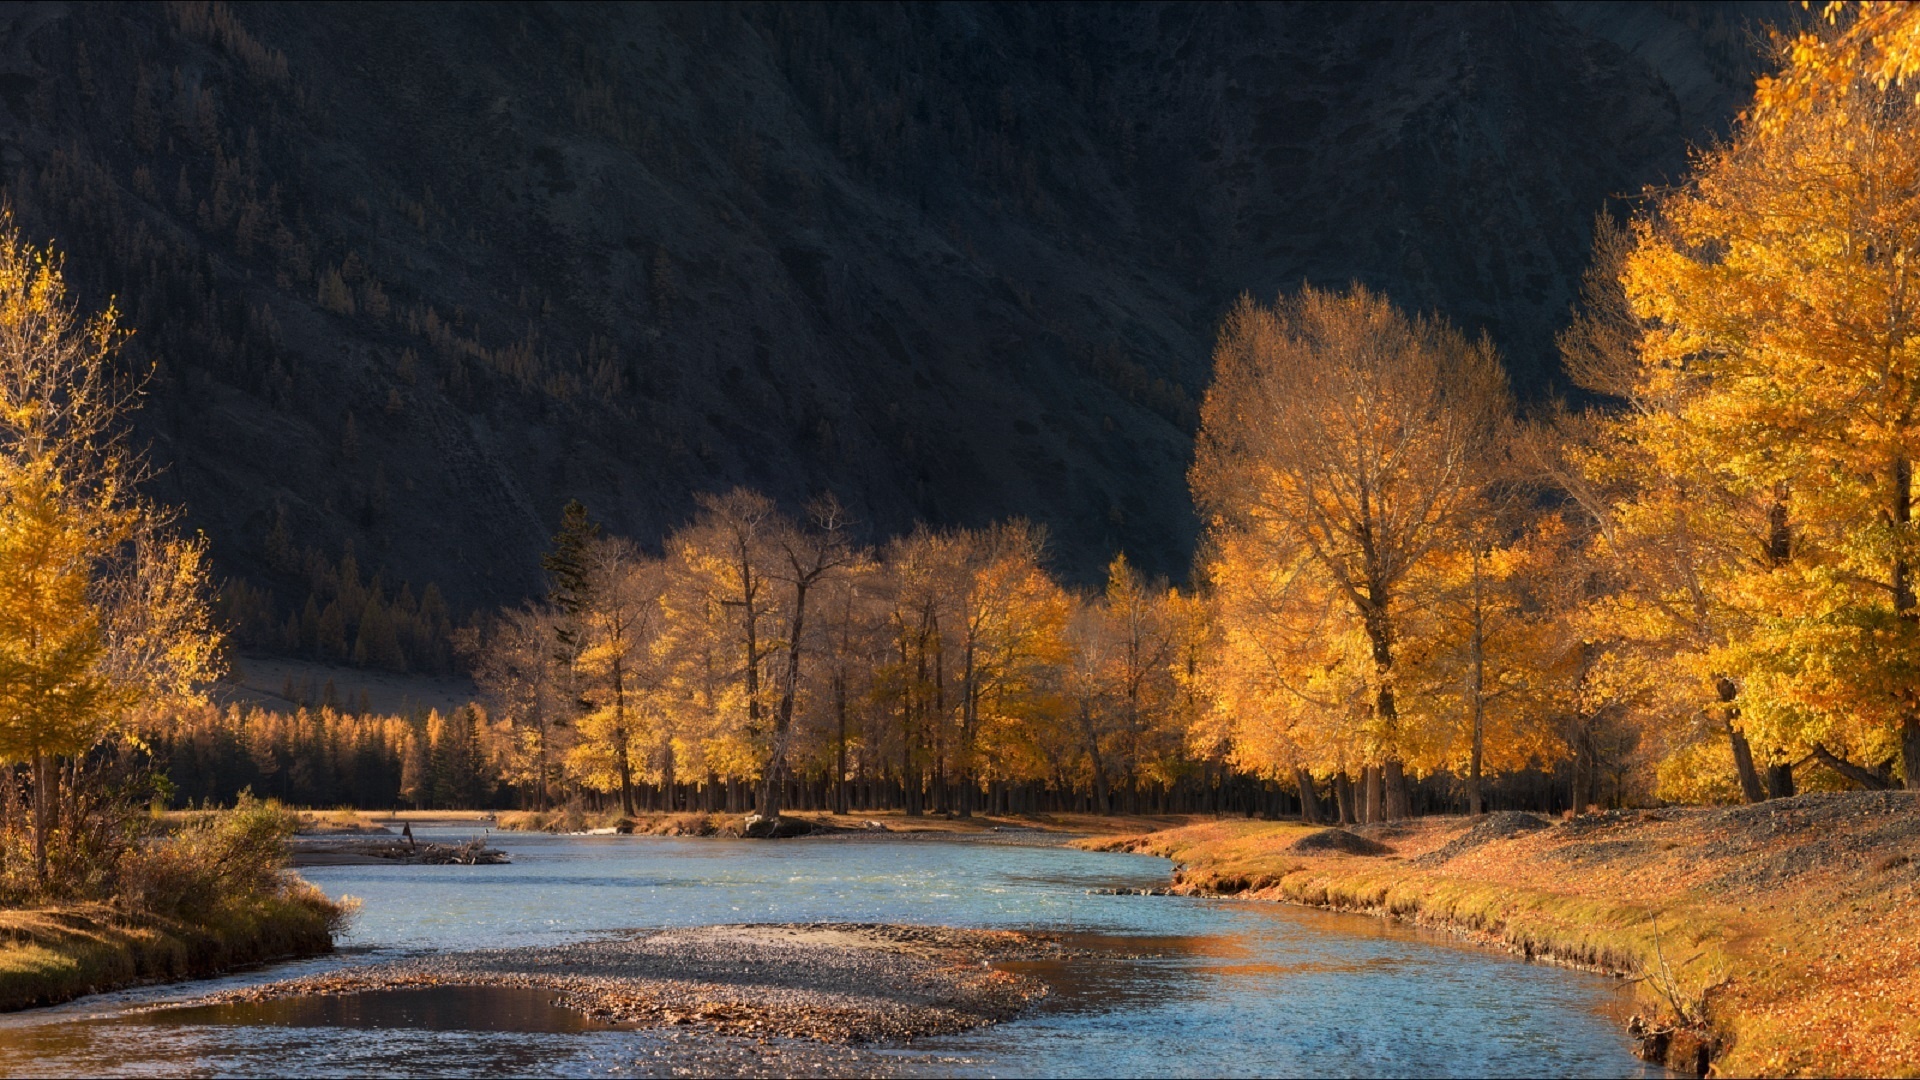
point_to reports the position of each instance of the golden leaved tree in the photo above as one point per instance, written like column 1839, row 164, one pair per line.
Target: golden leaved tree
column 621, row 619
column 1286, row 679
column 1779, row 282
column 1351, row 442
column 1677, row 534
column 103, row 605
column 1008, row 616
column 1496, row 661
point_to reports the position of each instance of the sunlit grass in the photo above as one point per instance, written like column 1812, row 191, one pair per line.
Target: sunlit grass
column 49, row 955
column 1794, row 948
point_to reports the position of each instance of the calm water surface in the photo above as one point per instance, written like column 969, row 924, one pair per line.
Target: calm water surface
column 1210, row 988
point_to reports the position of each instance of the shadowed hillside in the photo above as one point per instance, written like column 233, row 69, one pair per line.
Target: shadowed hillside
column 419, row 274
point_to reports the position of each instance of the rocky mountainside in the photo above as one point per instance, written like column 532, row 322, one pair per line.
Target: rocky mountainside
column 416, row 275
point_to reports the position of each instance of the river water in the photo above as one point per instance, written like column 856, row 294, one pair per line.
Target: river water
column 1209, row 988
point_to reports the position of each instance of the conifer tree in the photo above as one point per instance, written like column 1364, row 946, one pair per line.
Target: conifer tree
column 569, row 575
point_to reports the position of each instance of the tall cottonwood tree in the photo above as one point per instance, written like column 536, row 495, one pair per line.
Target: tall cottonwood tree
column 1676, row 532
column 1780, row 277
column 803, row 560
column 722, row 565
column 513, row 662
column 913, row 678
column 1496, row 661
column 1352, row 439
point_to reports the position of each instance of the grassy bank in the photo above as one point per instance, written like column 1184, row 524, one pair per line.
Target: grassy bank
column 55, row 954
column 198, row 894
column 1774, row 939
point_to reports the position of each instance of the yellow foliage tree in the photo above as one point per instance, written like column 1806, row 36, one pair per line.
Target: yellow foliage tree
column 1777, row 285
column 1351, row 443
column 103, row 607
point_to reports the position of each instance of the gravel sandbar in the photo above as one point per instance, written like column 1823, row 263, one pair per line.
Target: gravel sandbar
column 833, row 982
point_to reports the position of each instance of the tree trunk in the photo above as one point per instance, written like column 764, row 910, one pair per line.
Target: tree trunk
column 775, row 776
column 1866, row 778
column 1475, row 800
column 969, row 714
column 43, row 811
column 1780, row 782
column 1903, row 609
column 1910, row 752
column 909, row 768
column 1394, row 780
column 840, row 743
column 938, row 723
column 1309, row 802
column 626, row 776
column 1750, row 784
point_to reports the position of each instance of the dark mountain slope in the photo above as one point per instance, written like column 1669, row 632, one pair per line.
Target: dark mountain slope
column 418, row 274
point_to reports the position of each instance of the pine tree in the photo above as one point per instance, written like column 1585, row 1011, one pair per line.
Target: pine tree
column 569, row 574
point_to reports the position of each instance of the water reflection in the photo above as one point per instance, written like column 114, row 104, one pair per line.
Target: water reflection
column 1172, row 986
column 431, row 1008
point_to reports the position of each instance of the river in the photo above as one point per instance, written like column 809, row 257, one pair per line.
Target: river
column 1208, row 988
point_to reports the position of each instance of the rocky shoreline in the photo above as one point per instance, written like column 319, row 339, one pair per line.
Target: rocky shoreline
column 834, row 983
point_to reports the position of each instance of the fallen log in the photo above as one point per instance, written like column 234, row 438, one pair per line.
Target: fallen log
column 376, row 852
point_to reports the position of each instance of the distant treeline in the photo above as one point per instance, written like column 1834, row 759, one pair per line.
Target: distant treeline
column 325, row 758
column 345, row 618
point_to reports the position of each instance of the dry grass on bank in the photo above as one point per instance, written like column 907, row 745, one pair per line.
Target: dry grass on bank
column 55, row 954
column 202, row 892
column 1781, row 938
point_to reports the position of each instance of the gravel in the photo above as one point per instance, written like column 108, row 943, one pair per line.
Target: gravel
column 831, row 982
column 1503, row 825
column 1340, row 840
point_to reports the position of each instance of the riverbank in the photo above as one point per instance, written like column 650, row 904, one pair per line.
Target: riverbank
column 55, row 954
column 833, row 983
column 823, row 822
column 1775, row 939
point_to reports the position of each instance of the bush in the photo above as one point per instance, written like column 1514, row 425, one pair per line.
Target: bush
column 212, row 859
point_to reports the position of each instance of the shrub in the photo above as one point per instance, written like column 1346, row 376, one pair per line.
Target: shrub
column 212, row 859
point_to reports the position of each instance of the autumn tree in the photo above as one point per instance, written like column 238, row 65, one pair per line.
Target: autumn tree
column 103, row 604
column 1497, row 659
column 913, row 677
column 1776, row 282
column 1674, row 532
column 513, row 661
column 1285, row 680
column 849, row 633
column 1007, row 615
column 1122, row 682
column 803, row 559
column 749, row 578
column 1351, row 440
column 618, row 621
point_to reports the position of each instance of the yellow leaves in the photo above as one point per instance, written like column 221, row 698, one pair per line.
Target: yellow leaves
column 1778, row 386
column 101, row 604
column 1871, row 45
column 1343, row 451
